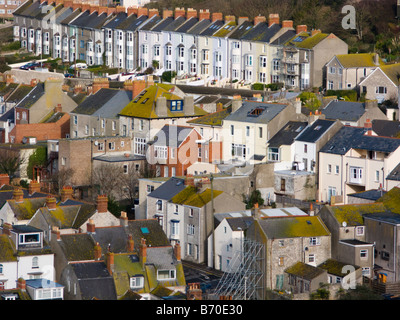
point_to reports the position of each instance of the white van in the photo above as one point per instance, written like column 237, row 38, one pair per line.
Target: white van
column 79, row 66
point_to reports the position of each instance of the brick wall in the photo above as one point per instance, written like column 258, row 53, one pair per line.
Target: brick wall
column 42, row 131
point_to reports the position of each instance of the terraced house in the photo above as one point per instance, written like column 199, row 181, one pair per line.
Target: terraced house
column 194, row 44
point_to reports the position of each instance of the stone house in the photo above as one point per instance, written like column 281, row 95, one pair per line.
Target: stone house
column 286, row 241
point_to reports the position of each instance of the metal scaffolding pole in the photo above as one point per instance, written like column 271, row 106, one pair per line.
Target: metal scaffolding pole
column 244, row 279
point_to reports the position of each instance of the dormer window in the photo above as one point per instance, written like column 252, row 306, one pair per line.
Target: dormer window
column 176, row 105
column 137, row 282
column 256, row 112
column 166, row 274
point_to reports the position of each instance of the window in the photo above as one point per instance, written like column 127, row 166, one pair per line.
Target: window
column 377, row 176
column 239, row 150
column 329, row 168
column 174, row 227
column 336, row 169
column 276, row 65
column 281, row 261
column 150, row 188
column 314, row 241
column 249, row 60
column 305, row 148
column 165, row 274
column 281, row 243
column 330, row 85
column 160, row 152
column 381, row 90
column 100, row 146
column 273, row 154
column 1, row 269
column 311, row 258
column 366, row 271
column 356, row 174
column 190, row 229
column 139, row 146
column 159, row 205
column 111, row 146
column 360, row 231
column 35, row 262
column 125, row 168
column 283, row 184
column 332, row 70
column 263, row 61
column 247, row 131
column 75, row 119
column 232, row 130
column 364, row 254
column 137, row 282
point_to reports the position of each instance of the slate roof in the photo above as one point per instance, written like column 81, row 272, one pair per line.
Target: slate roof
column 170, row 26
column 33, row 96
column 116, row 21
column 373, row 194
column 96, row 101
column 148, row 229
column 91, row 20
column 225, row 92
column 95, row 282
column 7, row 89
column 172, row 135
column 168, row 189
column 187, row 25
column 292, row 227
column 241, row 30
column 262, row 32
column 199, row 27
column 386, row 128
column 23, row 7
column 212, row 28
column 287, row 134
column 305, row 271
column 131, row 23
column 243, row 114
column 344, row 110
column 6, row 249
column 353, row 137
column 314, row 132
column 225, row 29
column 394, row 174
column 150, row 23
column 241, row 222
column 71, row 17
column 283, row 38
column 111, row 238
column 388, row 217
column 19, row 93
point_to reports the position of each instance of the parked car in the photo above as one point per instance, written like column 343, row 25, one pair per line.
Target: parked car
column 30, row 66
column 69, row 75
column 79, row 65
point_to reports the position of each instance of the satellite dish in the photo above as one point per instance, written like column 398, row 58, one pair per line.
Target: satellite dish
column 96, row 143
column 344, row 224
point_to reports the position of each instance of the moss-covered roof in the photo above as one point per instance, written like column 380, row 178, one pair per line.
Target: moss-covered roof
column 334, row 267
column 143, row 105
column 19, row 93
column 391, row 200
column 354, row 60
column 190, row 197
column 305, row 271
column 7, row 253
column 212, row 119
column 26, row 209
column 392, row 71
column 77, row 247
column 352, row 214
column 292, row 227
column 226, row 29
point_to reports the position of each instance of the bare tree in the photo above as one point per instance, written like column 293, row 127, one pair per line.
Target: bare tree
column 130, row 182
column 10, row 161
column 108, row 179
column 61, row 178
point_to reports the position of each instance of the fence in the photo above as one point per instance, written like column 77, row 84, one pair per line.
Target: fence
column 284, row 200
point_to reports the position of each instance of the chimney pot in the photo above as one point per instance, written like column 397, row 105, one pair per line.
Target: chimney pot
column 51, row 202
column 97, row 251
column 102, row 203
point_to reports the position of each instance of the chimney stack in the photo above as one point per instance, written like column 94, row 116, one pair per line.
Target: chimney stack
column 189, row 181
column 97, row 252
column 188, row 105
column 287, row 24
column 301, row 28
column 153, row 12
column 138, row 87
column 21, row 284
column 259, row 19
column 110, row 262
column 7, row 228
column 90, row 227
column 368, row 127
column 132, row 10
column 315, row 31
column 99, row 83
column 161, row 107
column 18, row 195
column 4, row 179
column 167, row 14
column 194, row 292
column 179, row 12
column 66, row 193
column 236, row 103
column 143, row 252
column 55, row 230
column 34, row 186
column 177, row 251
column 102, row 203
column 191, row 13
column 51, row 202
column 204, row 14
column 273, row 18
column 123, row 219
column 215, row 16
column 130, row 244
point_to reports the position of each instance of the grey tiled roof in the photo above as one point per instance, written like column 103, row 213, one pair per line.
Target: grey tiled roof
column 244, row 113
column 116, row 21
column 168, row 189
column 32, row 97
column 354, row 137
column 369, row 194
column 386, row 128
column 314, row 132
column 261, row 32
column 284, row 37
column 96, row 101
column 394, row 174
column 172, row 136
column 212, row 28
column 199, row 27
column 241, row 30
column 287, row 134
column 344, row 110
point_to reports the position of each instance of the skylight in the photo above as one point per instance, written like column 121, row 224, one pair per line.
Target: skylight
column 144, row 230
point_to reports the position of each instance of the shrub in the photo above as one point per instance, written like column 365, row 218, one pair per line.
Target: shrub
column 167, row 76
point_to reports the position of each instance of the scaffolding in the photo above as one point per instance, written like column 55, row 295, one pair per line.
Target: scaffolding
column 244, row 280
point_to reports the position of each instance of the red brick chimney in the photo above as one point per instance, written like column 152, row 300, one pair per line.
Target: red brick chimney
column 204, row 14
column 153, row 12
column 110, row 262
column 229, row 18
column 4, row 179
column 189, row 181
column 259, row 19
column 216, row 16
column 131, row 244
column 97, row 252
column 301, row 28
column 123, row 219
column 34, row 82
column 9, row 78
column 368, row 127
column 142, row 12
column 102, row 203
column 138, row 87
column 55, row 230
column 18, row 195
column 94, row 8
column 85, row 6
column 120, row 9
column 66, row 193
column 68, row 3
column 194, row 292
column 99, row 83
column 179, row 12
column 273, row 18
column 167, row 13
column 90, row 226
column 287, row 24
column 21, row 284
column 143, row 252
column 34, row 186
column 132, row 10
column 76, row 5
column 177, row 251
column 191, row 13
column 51, row 202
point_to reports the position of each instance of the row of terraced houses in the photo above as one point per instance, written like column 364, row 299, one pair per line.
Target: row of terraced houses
column 201, row 44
